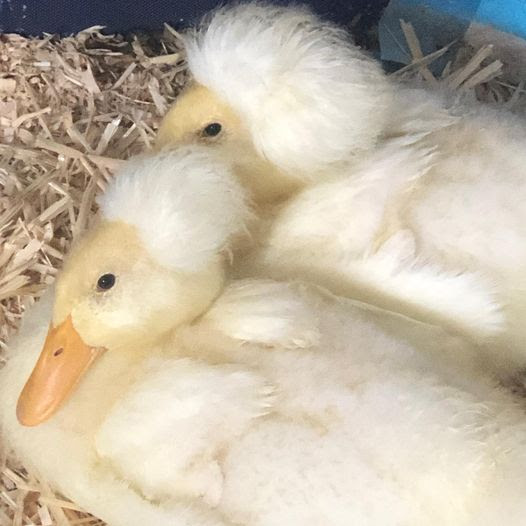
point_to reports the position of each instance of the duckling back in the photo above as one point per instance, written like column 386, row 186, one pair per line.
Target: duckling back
column 360, row 425
column 365, row 417
column 430, row 225
column 425, row 217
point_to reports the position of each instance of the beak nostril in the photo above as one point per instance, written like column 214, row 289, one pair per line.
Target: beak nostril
column 58, row 352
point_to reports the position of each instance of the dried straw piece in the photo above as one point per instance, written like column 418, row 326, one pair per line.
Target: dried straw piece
column 487, row 73
column 416, row 51
column 474, row 75
column 460, row 76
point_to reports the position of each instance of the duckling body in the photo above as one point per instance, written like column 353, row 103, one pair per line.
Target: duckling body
column 404, row 198
column 359, row 426
column 440, row 240
column 207, row 403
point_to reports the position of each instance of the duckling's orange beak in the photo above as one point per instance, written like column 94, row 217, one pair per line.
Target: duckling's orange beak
column 61, row 364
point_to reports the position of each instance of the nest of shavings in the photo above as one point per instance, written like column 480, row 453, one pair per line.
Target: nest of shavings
column 71, row 110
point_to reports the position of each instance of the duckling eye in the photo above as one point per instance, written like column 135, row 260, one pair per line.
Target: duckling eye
column 106, row 281
column 212, row 129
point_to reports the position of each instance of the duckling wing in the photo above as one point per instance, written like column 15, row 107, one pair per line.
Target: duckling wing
column 467, row 301
column 264, row 312
column 360, row 237
column 166, row 433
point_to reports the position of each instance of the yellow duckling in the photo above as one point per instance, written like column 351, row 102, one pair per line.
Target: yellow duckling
column 287, row 97
column 154, row 241
column 398, row 197
column 163, row 396
column 154, row 264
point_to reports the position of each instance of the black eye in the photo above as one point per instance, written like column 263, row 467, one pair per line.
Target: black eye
column 106, row 281
column 212, row 129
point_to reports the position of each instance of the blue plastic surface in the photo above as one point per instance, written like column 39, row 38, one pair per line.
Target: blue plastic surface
column 440, row 22
column 506, row 15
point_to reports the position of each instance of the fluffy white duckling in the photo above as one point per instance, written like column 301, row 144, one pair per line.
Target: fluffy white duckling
column 152, row 264
column 413, row 203
column 289, row 98
column 153, row 402
column 284, row 94
column 420, row 243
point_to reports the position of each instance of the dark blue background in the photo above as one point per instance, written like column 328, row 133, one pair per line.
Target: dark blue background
column 33, row 17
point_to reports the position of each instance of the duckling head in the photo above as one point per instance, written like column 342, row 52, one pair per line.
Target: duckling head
column 284, row 94
column 153, row 263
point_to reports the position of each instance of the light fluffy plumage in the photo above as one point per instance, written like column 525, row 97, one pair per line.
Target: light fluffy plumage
column 274, row 65
column 359, row 428
column 164, row 197
column 434, row 229
column 415, row 198
column 271, row 405
column 265, row 312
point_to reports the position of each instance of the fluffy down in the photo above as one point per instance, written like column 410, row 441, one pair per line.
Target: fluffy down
column 360, row 428
column 433, row 228
column 302, row 87
column 185, row 204
column 426, row 214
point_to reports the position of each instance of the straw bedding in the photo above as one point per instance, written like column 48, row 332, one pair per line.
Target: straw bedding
column 71, row 110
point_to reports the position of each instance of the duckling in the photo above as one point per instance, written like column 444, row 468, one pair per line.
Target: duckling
column 285, row 95
column 397, row 196
column 166, row 394
column 420, row 244
column 153, row 263
column 288, row 98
